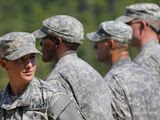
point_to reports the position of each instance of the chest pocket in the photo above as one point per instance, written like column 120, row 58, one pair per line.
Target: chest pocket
column 36, row 112
column 38, row 107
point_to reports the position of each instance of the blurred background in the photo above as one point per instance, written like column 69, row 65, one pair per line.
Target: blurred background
column 27, row 15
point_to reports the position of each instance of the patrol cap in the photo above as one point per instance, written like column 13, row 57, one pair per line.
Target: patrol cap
column 149, row 12
column 115, row 30
column 14, row 45
column 63, row 26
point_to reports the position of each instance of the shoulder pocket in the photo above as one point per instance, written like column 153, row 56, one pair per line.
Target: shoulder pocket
column 60, row 104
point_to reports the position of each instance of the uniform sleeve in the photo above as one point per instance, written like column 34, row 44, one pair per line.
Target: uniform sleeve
column 64, row 109
column 56, row 80
column 71, row 112
column 153, row 62
column 120, row 103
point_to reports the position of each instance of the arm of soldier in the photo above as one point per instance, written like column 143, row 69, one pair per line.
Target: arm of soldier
column 55, row 79
column 64, row 109
column 120, row 103
column 60, row 81
column 153, row 62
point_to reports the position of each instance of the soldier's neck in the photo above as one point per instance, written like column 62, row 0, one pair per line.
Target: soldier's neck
column 17, row 88
column 147, row 37
column 117, row 56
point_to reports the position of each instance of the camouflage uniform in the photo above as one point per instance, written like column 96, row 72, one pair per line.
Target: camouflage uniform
column 14, row 45
column 135, row 94
column 108, row 30
column 40, row 100
column 149, row 56
column 86, row 84
column 149, row 12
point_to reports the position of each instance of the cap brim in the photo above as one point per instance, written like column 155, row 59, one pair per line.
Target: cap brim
column 94, row 37
column 39, row 34
column 22, row 52
column 124, row 19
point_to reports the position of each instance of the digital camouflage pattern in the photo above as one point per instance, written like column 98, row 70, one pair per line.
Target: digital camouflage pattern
column 86, row 85
column 148, row 9
column 149, row 58
column 40, row 101
column 135, row 94
column 149, row 55
column 14, row 45
column 63, row 26
column 149, row 12
column 112, row 30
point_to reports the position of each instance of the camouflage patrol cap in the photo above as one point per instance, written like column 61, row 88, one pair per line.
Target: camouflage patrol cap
column 115, row 30
column 63, row 26
column 14, row 45
column 149, row 12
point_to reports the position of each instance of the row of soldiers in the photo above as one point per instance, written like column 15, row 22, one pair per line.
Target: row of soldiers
column 74, row 90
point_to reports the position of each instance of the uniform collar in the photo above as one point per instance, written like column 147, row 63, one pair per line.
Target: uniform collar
column 122, row 61
column 147, row 50
column 23, row 100
column 67, row 55
column 149, row 45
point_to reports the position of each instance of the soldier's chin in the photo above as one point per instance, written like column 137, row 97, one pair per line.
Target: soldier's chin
column 28, row 79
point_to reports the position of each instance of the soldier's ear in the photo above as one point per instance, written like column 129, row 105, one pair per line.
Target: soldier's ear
column 143, row 26
column 58, row 41
column 3, row 64
column 111, row 44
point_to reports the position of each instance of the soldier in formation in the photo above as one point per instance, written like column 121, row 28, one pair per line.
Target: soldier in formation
column 61, row 36
column 135, row 94
column 74, row 90
column 144, row 20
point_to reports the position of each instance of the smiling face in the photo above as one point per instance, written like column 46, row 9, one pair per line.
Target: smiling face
column 21, row 70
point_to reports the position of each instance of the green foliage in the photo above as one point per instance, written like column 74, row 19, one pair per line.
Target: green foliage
column 27, row 15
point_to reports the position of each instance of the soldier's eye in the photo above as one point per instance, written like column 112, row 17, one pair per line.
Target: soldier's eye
column 33, row 56
column 22, row 58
